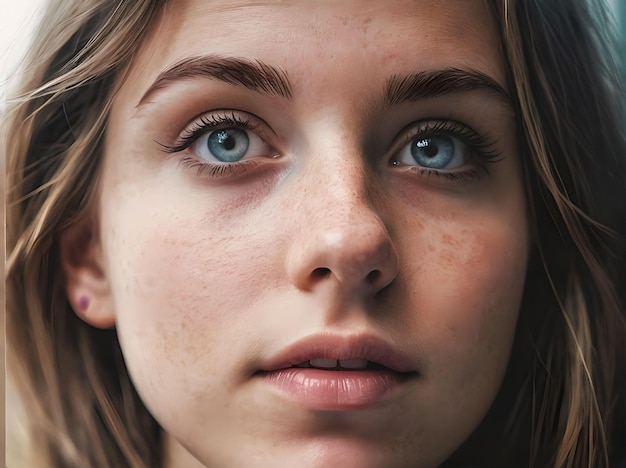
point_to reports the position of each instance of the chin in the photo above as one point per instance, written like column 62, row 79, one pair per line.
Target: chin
column 345, row 453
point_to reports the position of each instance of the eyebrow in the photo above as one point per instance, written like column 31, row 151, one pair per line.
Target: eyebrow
column 251, row 74
column 430, row 84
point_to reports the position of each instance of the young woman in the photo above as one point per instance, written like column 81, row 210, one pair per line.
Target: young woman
column 355, row 233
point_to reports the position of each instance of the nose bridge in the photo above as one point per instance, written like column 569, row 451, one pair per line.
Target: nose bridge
column 343, row 239
column 343, row 187
column 341, row 200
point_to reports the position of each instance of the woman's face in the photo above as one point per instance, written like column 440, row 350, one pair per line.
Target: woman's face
column 336, row 182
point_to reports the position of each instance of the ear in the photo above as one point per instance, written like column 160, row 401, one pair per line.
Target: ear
column 86, row 283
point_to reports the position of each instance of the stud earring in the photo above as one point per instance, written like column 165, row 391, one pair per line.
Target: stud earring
column 83, row 302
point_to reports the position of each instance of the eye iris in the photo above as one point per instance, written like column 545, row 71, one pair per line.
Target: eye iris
column 228, row 144
column 435, row 152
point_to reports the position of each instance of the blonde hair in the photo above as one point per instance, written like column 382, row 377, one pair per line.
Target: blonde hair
column 71, row 376
column 569, row 356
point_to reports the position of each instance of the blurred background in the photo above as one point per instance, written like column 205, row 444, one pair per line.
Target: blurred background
column 17, row 20
column 619, row 9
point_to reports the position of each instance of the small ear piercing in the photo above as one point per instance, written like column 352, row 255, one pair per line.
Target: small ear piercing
column 83, row 302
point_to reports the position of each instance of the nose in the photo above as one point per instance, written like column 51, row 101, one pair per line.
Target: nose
column 342, row 241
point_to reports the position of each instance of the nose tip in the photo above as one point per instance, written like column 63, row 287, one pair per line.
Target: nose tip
column 356, row 256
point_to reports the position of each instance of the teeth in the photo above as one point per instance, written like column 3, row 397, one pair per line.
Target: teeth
column 353, row 363
column 323, row 363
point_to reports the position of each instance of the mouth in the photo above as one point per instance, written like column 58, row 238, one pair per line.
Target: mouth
column 340, row 364
column 329, row 372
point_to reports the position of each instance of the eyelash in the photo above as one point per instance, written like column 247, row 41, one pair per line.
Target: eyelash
column 206, row 124
column 479, row 146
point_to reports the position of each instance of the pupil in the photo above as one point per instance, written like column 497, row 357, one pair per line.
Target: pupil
column 229, row 143
column 226, row 140
column 431, row 150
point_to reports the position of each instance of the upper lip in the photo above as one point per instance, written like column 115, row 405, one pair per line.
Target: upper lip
column 341, row 347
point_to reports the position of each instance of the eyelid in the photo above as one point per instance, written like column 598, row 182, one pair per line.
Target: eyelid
column 215, row 119
column 431, row 127
column 480, row 145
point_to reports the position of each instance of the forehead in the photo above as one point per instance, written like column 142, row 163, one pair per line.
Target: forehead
column 325, row 39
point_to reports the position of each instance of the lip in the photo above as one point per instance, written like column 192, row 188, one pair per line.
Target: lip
column 340, row 347
column 319, row 389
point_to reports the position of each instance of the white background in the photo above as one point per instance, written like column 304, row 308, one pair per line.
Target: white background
column 17, row 20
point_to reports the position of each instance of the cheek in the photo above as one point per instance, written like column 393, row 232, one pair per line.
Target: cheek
column 182, row 285
column 464, row 281
column 467, row 288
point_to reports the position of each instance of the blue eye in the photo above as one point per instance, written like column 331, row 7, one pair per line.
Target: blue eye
column 230, row 145
column 438, row 152
column 435, row 152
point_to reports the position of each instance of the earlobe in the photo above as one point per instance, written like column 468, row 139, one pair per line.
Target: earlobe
column 86, row 283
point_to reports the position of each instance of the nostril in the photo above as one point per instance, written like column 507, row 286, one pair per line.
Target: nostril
column 373, row 276
column 321, row 272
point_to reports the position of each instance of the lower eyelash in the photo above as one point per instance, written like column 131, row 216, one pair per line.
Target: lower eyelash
column 217, row 170
column 481, row 149
column 469, row 174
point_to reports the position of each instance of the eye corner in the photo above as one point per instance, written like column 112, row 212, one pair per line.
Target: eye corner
column 170, row 149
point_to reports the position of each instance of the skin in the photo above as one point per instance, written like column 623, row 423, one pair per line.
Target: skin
column 205, row 278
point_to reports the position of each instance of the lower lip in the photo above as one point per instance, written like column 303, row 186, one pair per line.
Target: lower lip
column 337, row 390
